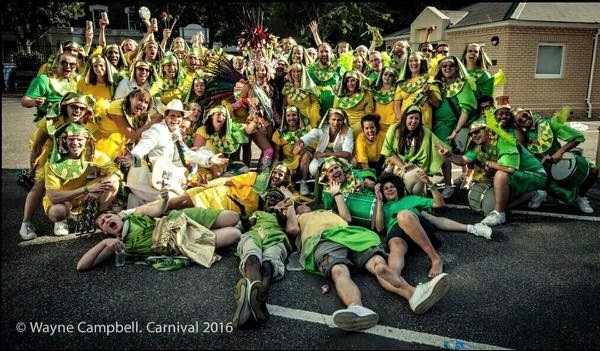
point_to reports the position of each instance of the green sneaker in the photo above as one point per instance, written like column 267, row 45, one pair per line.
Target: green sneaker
column 242, row 310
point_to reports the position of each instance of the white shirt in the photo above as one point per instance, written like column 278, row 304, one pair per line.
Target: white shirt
column 342, row 142
column 125, row 87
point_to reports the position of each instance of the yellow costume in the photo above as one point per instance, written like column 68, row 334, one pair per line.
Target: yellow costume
column 217, row 197
column 406, row 94
column 109, row 138
column 356, row 106
column 385, row 110
column 98, row 91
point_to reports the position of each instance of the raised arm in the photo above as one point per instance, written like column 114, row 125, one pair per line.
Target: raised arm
column 314, row 28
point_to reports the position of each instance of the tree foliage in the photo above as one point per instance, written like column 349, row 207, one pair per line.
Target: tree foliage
column 29, row 20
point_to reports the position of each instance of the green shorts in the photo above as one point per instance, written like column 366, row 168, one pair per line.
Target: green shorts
column 522, row 182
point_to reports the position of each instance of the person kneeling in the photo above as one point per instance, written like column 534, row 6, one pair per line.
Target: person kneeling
column 71, row 165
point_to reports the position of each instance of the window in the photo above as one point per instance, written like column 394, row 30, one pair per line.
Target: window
column 549, row 62
column 96, row 10
column 131, row 18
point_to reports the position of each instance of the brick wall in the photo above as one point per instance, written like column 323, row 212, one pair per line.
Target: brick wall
column 516, row 55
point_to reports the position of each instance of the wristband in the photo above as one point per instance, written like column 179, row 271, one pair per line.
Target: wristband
column 336, row 194
column 85, row 189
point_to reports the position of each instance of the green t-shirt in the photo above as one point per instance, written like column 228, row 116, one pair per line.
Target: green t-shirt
column 360, row 174
column 507, row 155
column 560, row 131
column 267, row 232
column 413, row 203
column 40, row 87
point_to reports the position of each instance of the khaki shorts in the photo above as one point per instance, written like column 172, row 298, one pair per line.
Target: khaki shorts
column 275, row 254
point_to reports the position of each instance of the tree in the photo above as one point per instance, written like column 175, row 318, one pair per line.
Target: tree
column 30, row 20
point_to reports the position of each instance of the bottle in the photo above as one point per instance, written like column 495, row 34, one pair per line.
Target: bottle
column 120, row 258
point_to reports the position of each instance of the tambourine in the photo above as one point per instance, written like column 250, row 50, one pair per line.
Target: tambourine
column 144, row 13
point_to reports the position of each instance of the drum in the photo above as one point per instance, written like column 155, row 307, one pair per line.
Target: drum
column 361, row 207
column 570, row 168
column 481, row 198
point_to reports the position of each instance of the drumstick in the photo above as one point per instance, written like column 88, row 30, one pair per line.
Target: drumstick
column 175, row 21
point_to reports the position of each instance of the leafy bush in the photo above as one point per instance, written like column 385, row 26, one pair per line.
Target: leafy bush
column 30, row 60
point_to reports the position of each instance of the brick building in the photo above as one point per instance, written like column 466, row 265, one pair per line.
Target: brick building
column 548, row 51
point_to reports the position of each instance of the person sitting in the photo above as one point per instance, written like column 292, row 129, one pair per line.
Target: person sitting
column 330, row 247
column 163, row 140
column 333, row 139
column 293, row 127
column 369, row 144
column 359, row 183
column 193, row 232
column 408, row 222
column 408, row 146
column 513, row 170
column 542, row 137
column 262, row 251
column 71, row 165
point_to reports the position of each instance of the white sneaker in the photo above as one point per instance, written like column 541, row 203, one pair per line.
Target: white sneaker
column 448, row 191
column 482, row 230
column 494, row 218
column 355, row 318
column 61, row 228
column 304, row 190
column 27, row 231
column 538, row 197
column 427, row 294
column 584, row 205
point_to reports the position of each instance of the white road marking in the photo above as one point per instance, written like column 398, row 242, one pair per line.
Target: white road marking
column 403, row 335
column 544, row 214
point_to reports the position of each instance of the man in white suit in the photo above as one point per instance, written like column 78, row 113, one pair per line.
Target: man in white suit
column 163, row 145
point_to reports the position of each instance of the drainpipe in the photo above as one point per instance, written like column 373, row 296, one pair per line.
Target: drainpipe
column 589, row 93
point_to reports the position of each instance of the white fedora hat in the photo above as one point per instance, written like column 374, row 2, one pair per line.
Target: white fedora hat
column 173, row 105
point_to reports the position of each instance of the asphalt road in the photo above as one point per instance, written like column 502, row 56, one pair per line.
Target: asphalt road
column 535, row 287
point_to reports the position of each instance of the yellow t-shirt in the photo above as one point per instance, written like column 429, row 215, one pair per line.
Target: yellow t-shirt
column 315, row 222
column 366, row 151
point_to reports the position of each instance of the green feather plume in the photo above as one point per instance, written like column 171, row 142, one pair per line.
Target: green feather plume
column 563, row 115
column 491, row 123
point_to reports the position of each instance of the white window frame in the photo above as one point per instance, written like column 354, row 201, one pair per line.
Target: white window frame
column 130, row 11
column 562, row 61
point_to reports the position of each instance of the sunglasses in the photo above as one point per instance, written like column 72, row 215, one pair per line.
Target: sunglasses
column 473, row 51
column 426, row 50
column 143, row 69
column 475, row 132
column 67, row 64
column 449, row 65
column 442, row 51
column 388, row 74
column 77, row 107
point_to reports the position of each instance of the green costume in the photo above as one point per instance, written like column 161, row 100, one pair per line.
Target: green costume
column 457, row 97
column 484, row 81
column 325, row 79
column 51, row 88
column 267, row 231
column 529, row 174
column 138, row 228
column 544, row 140
column 425, row 157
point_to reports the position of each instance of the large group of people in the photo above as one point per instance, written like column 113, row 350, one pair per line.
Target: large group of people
column 159, row 138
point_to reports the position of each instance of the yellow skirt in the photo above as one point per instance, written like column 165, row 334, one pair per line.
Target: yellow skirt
column 217, row 197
